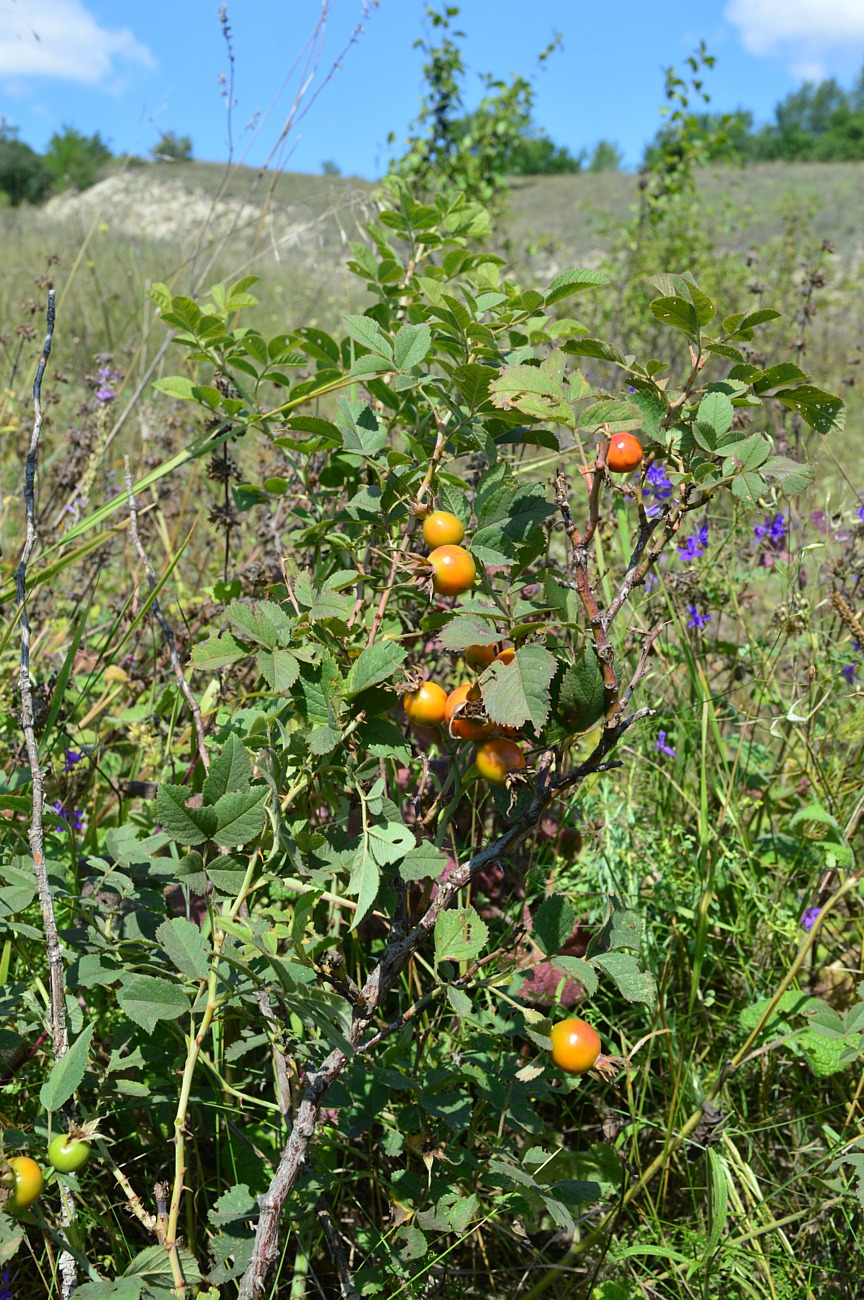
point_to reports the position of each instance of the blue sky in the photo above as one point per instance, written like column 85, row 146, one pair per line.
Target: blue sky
column 133, row 70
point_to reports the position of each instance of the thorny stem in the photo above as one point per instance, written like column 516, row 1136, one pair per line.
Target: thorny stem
column 192, row 1053
column 163, row 623
column 56, row 976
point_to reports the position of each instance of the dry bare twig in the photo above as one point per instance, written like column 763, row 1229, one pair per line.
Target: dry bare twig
column 56, row 974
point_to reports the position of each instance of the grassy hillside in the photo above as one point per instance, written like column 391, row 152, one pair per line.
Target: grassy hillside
column 750, row 206
column 190, row 225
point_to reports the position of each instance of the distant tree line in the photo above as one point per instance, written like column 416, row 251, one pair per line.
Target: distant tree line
column 71, row 161
column 819, row 122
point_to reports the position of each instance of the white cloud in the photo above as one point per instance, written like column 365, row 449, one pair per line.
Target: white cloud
column 767, row 26
column 60, row 39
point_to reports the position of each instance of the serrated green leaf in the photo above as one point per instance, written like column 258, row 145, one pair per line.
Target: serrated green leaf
column 468, row 629
column 822, row 411
column 239, row 816
column 613, row 411
column 389, row 842
column 577, row 968
column 279, row 669
column 704, row 307
column 369, row 333
column 186, row 946
column 573, row 281
column 67, row 1073
column 791, row 476
column 754, row 318
column 748, row 488
column 154, row 1264
column 375, row 665
column 678, row 313
column 176, row 386
column 185, row 825
column 219, row 650
column 534, row 391
column 599, row 348
column 473, row 382
column 230, row 770
column 423, row 862
column 508, row 518
column 746, row 456
column 364, row 881
column 653, row 410
column 147, row 1000
column 716, row 410
column 411, row 345
column 776, row 376
column 518, row 692
column 262, row 622
column 581, row 697
column 382, row 739
column 554, row 922
column 633, row 984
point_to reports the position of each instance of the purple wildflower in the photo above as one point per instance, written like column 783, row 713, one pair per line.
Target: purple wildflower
column 105, row 393
column 861, row 512
column 72, row 757
column 849, row 672
column 73, row 818
column 658, row 482
column 662, row 747
column 697, row 620
column 651, row 581
column 657, row 485
column 5, row 1289
column 772, row 532
column 694, row 546
column 808, row 920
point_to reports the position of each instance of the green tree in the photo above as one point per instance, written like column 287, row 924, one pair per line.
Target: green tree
column 818, row 122
column 476, row 151
column 24, row 175
column 606, row 157
column 171, row 147
column 533, row 153
column 75, row 159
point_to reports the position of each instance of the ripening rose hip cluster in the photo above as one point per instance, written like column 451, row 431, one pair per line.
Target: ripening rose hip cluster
column 430, row 705
column 454, row 572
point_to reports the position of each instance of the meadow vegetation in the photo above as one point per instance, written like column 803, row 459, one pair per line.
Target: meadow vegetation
column 290, row 960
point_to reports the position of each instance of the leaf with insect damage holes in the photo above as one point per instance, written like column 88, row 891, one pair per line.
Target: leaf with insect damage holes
column 460, row 935
column 633, row 984
column 822, row 411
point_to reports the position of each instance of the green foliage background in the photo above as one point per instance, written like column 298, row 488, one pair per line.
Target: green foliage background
column 219, row 920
